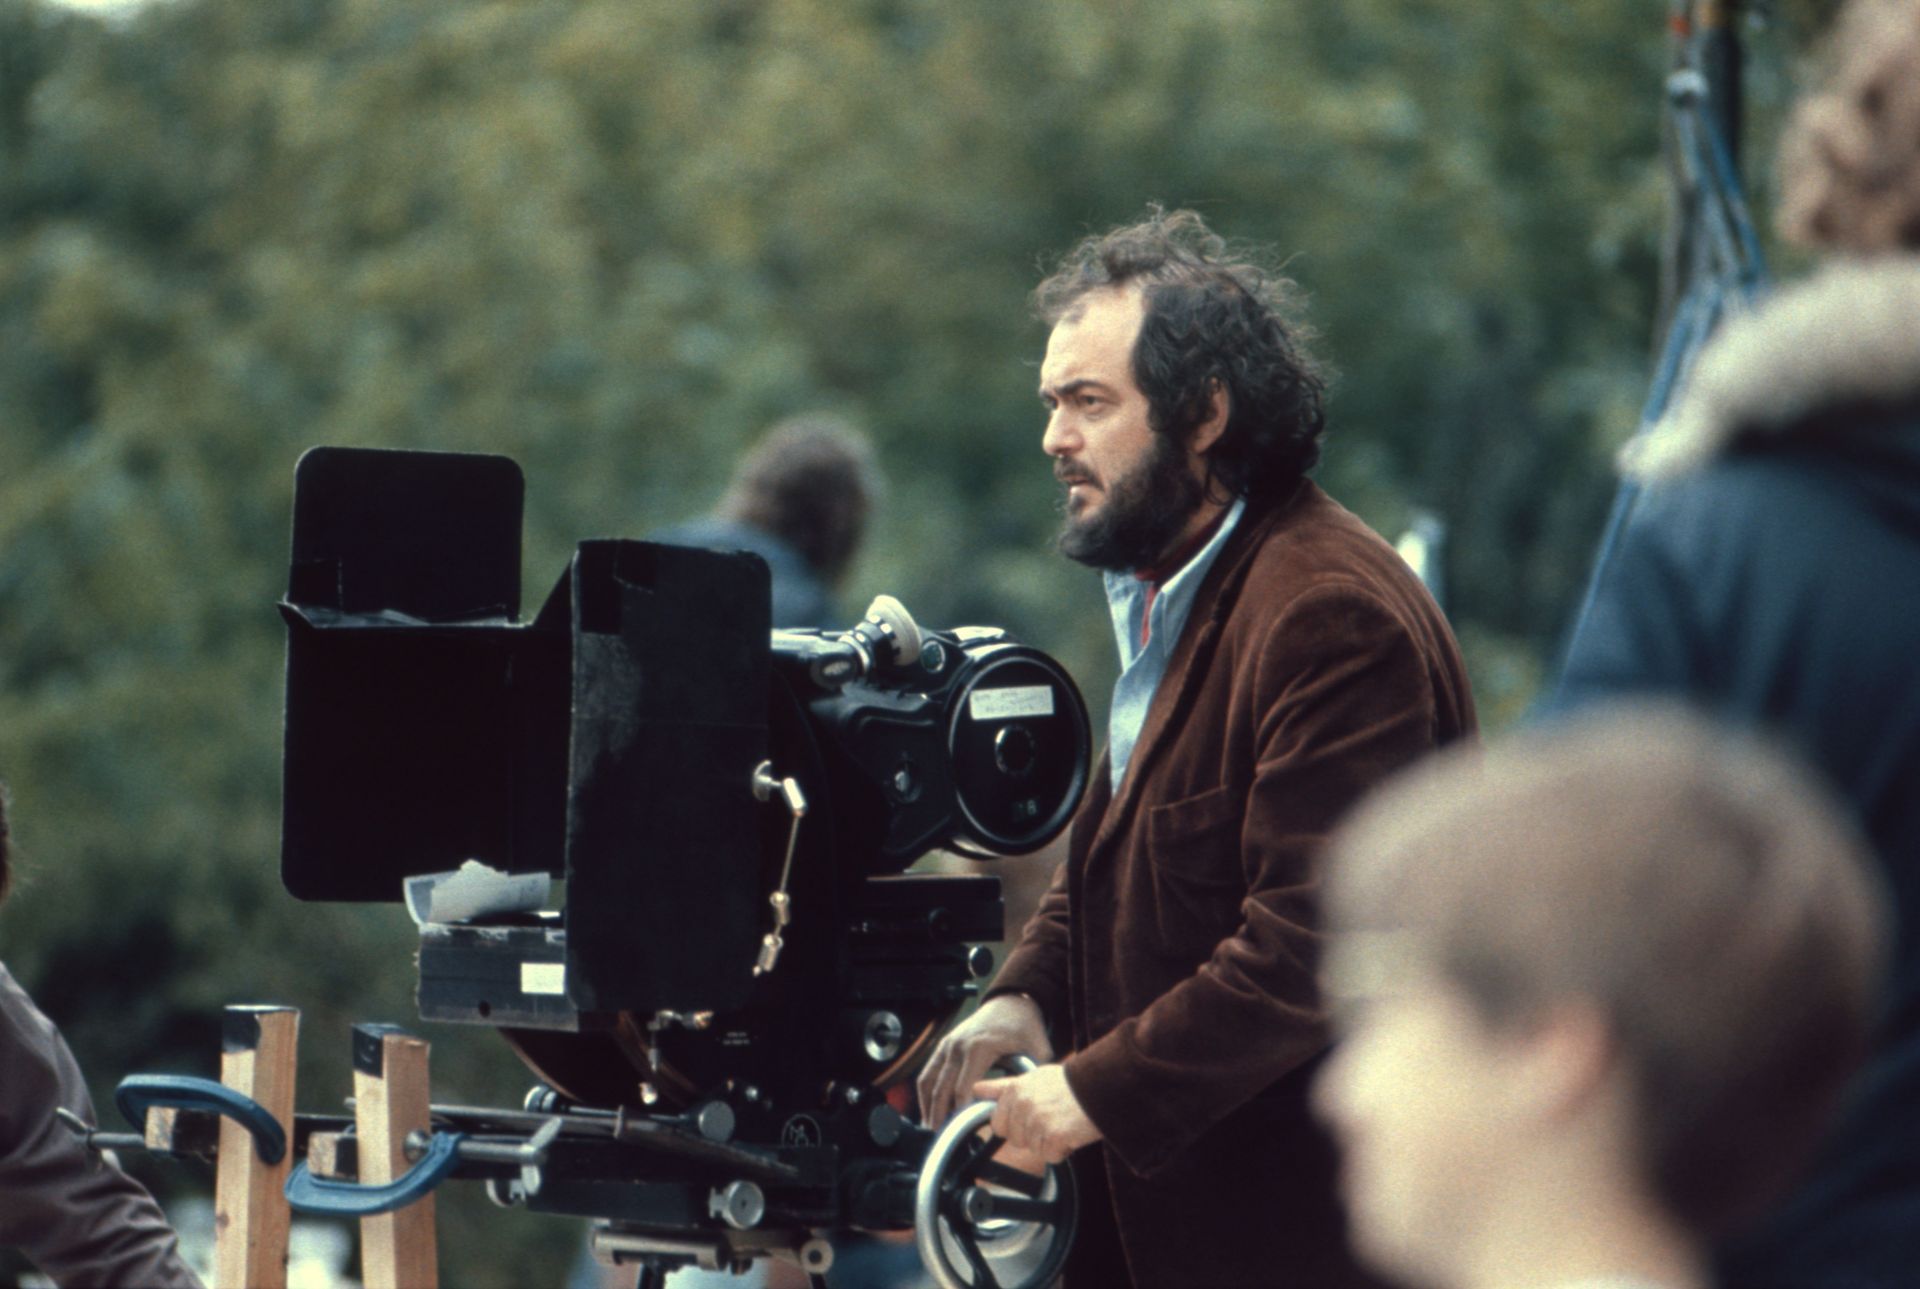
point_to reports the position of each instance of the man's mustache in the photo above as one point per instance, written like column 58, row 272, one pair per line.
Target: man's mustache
column 1070, row 475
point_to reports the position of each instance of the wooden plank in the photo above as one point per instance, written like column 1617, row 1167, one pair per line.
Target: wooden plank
column 162, row 1128
column 334, row 1156
column 173, row 1131
column 391, row 1100
column 259, row 1047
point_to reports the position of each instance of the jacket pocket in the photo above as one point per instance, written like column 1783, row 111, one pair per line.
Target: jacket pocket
column 1193, row 861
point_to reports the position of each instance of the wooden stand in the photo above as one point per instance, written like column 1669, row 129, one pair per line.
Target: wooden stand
column 258, row 1050
column 397, row 1249
column 188, row 1116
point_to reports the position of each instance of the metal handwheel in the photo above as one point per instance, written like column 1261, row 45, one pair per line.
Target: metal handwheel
column 983, row 1224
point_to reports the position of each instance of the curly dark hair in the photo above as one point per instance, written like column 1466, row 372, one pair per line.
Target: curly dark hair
column 810, row 481
column 1213, row 319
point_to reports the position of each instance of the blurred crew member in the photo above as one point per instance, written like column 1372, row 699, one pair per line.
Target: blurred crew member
column 1278, row 658
column 799, row 500
column 1771, row 572
column 72, row 1212
column 1597, row 991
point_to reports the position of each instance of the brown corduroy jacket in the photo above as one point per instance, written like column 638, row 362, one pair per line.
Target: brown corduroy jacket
column 1175, row 954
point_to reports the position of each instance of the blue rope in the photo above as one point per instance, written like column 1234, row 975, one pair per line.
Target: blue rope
column 1731, row 200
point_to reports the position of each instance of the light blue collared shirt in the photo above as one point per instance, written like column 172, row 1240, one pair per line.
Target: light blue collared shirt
column 1141, row 667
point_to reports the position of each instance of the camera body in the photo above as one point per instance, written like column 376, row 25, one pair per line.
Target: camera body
column 731, row 807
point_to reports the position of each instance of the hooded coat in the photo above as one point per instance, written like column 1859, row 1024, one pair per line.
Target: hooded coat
column 1175, row 955
column 1770, row 571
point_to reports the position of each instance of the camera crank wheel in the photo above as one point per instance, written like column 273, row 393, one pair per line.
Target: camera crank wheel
column 984, row 1224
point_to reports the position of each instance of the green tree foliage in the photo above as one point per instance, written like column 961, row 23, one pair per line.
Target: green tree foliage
column 614, row 240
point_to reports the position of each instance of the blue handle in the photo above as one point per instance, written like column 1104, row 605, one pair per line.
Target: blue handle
column 309, row 1194
column 138, row 1092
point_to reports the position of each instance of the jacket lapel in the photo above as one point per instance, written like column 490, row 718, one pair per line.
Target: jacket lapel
column 1191, row 656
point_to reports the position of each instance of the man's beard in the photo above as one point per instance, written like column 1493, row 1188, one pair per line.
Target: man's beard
column 1144, row 512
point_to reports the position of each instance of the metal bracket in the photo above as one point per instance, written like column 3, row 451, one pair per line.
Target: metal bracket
column 138, row 1093
column 309, row 1194
column 765, row 786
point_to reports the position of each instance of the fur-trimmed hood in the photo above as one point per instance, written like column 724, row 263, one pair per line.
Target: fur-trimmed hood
column 1845, row 341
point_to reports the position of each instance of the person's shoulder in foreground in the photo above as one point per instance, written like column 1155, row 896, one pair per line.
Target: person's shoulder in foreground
column 76, row 1215
column 1779, row 498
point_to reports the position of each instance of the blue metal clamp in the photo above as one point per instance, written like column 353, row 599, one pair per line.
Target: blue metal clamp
column 139, row 1092
column 309, row 1194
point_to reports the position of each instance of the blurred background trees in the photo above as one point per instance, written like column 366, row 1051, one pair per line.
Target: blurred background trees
column 614, row 240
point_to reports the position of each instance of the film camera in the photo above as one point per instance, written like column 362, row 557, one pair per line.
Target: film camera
column 742, row 968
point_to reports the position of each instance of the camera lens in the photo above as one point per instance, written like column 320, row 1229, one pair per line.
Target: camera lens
column 1018, row 739
column 1013, row 751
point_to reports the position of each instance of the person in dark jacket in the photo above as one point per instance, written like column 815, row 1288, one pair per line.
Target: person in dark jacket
column 800, row 500
column 1770, row 570
column 1279, row 658
column 75, row 1214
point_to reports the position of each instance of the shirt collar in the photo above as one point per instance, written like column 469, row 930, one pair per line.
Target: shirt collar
column 1127, row 594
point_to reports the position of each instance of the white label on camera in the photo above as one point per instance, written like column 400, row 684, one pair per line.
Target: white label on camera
column 1015, row 700
column 543, row 978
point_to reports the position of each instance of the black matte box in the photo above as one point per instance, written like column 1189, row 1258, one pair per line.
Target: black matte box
column 671, row 669
column 405, row 754
column 613, row 740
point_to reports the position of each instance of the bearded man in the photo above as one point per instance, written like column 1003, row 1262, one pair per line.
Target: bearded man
column 1278, row 658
